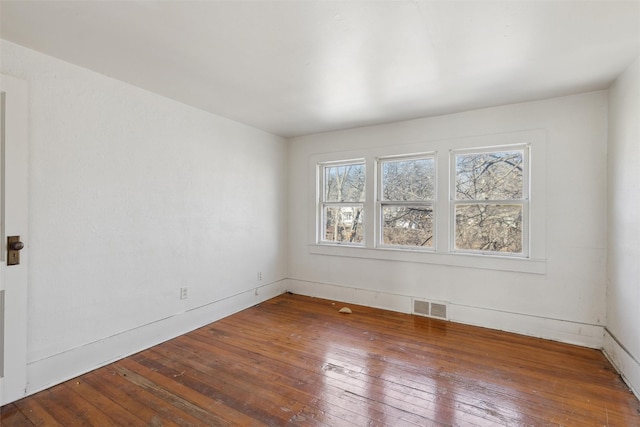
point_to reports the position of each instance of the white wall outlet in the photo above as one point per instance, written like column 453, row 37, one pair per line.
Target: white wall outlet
column 183, row 293
column 259, row 276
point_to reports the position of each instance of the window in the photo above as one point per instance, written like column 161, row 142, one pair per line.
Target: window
column 476, row 202
column 490, row 200
column 342, row 198
column 406, row 201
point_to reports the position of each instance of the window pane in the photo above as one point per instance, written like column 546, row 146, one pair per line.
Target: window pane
column 489, row 176
column 408, row 226
column 496, row 228
column 408, row 180
column 343, row 224
column 344, row 183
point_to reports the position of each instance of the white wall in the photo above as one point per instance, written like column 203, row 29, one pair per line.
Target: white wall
column 567, row 303
column 133, row 196
column 622, row 338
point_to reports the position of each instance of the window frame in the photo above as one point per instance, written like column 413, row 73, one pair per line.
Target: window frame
column 381, row 203
column 322, row 203
column 443, row 255
column 523, row 201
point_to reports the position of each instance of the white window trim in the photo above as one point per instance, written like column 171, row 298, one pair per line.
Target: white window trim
column 320, row 178
column 524, row 202
column 379, row 240
column 535, row 263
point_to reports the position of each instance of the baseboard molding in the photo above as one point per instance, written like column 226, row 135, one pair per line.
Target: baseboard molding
column 384, row 300
column 624, row 362
column 47, row 372
column 582, row 334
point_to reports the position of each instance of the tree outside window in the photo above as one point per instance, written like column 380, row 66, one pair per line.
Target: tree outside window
column 487, row 213
column 490, row 200
column 407, row 195
column 342, row 203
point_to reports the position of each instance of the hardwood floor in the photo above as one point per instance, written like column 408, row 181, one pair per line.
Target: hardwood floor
column 295, row 360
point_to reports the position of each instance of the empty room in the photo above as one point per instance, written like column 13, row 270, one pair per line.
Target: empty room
column 320, row 213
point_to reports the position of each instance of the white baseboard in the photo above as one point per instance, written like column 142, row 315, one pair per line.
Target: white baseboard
column 625, row 363
column 44, row 373
column 47, row 372
column 387, row 301
column 582, row 334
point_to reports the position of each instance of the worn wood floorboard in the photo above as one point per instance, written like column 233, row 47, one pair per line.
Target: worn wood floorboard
column 295, row 360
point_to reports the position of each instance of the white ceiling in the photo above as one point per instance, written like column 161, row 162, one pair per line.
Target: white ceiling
column 300, row 67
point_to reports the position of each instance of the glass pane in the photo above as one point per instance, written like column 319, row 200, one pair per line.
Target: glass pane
column 493, row 228
column 408, row 226
column 490, row 176
column 408, row 180
column 343, row 224
column 344, row 183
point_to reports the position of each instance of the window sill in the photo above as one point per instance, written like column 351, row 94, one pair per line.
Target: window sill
column 486, row 262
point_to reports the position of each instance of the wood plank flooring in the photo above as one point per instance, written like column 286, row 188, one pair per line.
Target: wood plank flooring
column 295, row 360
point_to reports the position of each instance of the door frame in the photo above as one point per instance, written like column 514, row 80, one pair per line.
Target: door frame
column 14, row 222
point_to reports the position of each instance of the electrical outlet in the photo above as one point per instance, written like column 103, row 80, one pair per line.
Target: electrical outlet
column 183, row 293
column 259, row 276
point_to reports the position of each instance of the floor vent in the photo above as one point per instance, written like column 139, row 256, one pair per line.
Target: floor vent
column 430, row 309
